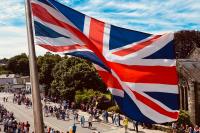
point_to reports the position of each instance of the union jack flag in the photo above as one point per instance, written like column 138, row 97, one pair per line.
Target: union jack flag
column 138, row 68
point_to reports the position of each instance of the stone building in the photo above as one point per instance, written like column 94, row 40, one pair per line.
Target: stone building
column 13, row 81
column 189, row 88
column 189, row 85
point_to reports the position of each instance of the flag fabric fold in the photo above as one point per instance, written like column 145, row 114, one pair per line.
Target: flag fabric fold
column 138, row 68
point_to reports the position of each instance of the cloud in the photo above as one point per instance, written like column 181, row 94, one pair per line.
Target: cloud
column 14, row 41
column 10, row 11
column 150, row 16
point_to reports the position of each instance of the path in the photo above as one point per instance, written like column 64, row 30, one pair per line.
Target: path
column 23, row 114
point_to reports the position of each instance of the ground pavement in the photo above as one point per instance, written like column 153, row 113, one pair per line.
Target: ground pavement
column 23, row 114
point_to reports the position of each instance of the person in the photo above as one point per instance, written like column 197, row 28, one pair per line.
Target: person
column 82, row 121
column 106, row 116
column 67, row 114
column 74, row 128
column 90, row 121
column 190, row 129
column 70, row 130
column 103, row 115
column 27, row 125
column 182, row 128
column 51, row 110
column 117, row 120
column 49, row 129
column 112, row 116
column 45, row 129
column 63, row 114
column 52, row 130
column 196, row 129
column 174, row 127
column 119, row 124
column 19, row 127
column 46, row 110
column 135, row 126
column 125, row 122
column 76, row 116
column 187, row 128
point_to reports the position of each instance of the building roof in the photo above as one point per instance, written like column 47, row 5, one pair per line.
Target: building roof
column 3, row 76
column 192, row 68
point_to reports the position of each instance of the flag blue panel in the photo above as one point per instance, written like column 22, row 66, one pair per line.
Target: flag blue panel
column 42, row 30
column 71, row 14
column 121, row 37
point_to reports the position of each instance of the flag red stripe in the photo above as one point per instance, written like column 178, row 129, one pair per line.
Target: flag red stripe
column 155, row 106
column 60, row 48
column 136, row 47
column 146, row 74
column 109, row 79
column 96, row 33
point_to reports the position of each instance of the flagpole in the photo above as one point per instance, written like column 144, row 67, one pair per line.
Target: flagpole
column 37, row 105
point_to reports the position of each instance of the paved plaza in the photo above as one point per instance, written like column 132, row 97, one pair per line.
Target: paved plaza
column 23, row 114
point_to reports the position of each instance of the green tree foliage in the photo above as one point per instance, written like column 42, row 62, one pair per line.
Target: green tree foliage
column 18, row 64
column 184, row 118
column 86, row 96
column 3, row 70
column 3, row 61
column 92, row 96
column 45, row 65
column 114, row 109
column 73, row 74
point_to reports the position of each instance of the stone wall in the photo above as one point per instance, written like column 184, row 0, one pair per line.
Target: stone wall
column 198, row 102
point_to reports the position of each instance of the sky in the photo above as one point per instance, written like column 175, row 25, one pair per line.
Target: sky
column 152, row 16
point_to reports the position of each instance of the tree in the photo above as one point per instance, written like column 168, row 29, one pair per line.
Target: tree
column 3, row 69
column 185, row 42
column 3, row 61
column 73, row 74
column 19, row 64
column 45, row 65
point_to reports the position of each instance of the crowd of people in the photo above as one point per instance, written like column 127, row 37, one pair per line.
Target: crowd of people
column 66, row 110
column 185, row 128
column 20, row 98
column 10, row 124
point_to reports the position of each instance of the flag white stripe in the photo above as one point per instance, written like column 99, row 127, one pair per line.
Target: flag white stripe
column 145, row 87
column 59, row 30
column 155, row 46
column 55, row 13
column 86, row 29
column 99, row 68
column 60, row 41
column 106, row 39
column 116, row 92
column 148, row 50
column 131, row 45
column 142, row 62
